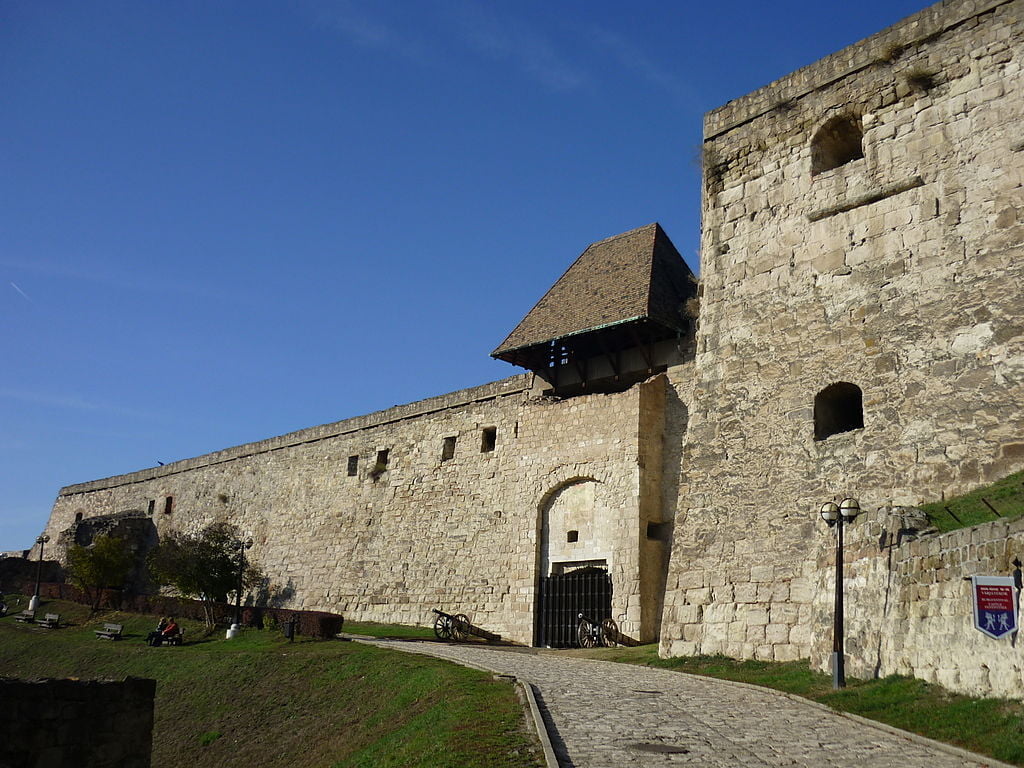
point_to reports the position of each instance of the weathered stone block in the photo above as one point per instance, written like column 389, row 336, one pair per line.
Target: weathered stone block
column 777, row 634
column 745, row 593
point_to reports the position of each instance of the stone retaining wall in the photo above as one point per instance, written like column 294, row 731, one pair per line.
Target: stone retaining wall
column 909, row 606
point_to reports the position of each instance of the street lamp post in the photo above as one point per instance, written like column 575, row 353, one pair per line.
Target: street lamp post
column 839, row 515
column 242, row 546
column 33, row 604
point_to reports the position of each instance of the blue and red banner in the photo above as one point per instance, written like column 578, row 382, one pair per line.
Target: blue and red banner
column 995, row 605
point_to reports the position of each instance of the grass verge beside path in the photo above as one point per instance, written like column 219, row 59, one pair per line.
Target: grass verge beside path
column 387, row 630
column 259, row 701
column 992, row 727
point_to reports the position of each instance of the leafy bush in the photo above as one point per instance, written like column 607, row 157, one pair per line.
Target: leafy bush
column 204, row 566
column 95, row 569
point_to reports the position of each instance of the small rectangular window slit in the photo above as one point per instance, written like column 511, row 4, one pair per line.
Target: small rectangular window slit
column 381, row 465
column 488, row 439
column 448, row 449
column 353, row 465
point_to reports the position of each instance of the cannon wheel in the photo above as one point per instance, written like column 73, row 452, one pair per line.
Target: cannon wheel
column 460, row 626
column 610, row 632
column 583, row 634
column 443, row 627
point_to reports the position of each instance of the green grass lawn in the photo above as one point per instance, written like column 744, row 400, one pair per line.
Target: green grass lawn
column 259, row 700
column 991, row 727
column 1006, row 496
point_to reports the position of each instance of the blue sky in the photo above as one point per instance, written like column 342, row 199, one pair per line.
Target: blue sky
column 226, row 221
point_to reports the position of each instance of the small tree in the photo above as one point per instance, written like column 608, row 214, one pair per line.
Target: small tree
column 203, row 566
column 104, row 565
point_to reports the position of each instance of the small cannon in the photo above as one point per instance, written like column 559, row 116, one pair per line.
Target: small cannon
column 598, row 634
column 449, row 626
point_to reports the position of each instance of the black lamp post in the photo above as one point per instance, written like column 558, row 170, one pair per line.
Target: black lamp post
column 837, row 515
column 242, row 546
column 41, row 541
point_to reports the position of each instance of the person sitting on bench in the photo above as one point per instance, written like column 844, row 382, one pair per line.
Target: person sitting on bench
column 171, row 630
column 152, row 637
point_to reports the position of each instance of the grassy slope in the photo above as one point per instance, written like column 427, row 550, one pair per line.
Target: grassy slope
column 1006, row 495
column 988, row 726
column 261, row 701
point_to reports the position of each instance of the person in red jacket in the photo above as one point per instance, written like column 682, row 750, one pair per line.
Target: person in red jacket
column 170, row 631
column 166, row 632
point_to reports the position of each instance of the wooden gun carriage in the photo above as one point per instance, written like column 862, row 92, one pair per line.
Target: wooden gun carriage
column 449, row 626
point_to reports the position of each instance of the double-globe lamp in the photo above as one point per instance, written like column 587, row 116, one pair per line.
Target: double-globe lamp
column 838, row 515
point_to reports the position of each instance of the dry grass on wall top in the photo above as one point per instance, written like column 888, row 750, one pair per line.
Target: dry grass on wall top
column 1003, row 499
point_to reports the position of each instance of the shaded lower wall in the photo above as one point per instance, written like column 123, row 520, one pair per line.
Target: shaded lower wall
column 74, row 723
column 908, row 607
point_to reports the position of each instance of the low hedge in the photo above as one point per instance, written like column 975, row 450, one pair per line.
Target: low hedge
column 317, row 624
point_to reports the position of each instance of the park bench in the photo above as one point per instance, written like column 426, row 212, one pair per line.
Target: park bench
column 50, row 621
column 25, row 616
column 110, row 631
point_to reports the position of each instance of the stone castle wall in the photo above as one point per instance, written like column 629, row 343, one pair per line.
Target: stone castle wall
column 899, row 272
column 462, row 534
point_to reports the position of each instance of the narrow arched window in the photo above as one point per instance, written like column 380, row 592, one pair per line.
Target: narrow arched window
column 837, row 142
column 838, row 408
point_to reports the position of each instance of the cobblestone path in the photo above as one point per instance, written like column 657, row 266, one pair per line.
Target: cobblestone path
column 609, row 715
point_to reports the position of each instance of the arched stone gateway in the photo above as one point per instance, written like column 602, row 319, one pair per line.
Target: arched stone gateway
column 577, row 528
column 577, row 546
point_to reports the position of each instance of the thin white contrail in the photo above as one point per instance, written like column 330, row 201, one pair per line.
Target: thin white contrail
column 25, row 295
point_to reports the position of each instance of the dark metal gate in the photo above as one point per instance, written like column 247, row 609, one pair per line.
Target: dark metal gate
column 562, row 598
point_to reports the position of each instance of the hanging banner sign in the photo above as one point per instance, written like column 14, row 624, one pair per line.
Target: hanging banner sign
column 995, row 605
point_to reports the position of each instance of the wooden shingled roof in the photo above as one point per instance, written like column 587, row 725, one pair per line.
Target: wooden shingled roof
column 637, row 276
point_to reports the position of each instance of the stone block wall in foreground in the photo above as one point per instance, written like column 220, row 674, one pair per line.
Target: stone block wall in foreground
column 72, row 723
